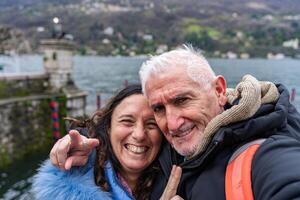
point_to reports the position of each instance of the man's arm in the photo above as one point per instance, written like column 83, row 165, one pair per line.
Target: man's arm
column 72, row 150
column 275, row 169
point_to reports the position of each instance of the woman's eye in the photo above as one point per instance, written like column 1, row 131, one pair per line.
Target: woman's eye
column 127, row 122
column 151, row 125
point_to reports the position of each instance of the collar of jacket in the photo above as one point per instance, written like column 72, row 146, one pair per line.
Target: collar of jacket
column 118, row 191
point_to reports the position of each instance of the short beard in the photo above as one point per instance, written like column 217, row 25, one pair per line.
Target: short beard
column 187, row 152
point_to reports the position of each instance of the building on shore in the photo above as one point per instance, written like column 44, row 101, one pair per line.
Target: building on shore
column 29, row 121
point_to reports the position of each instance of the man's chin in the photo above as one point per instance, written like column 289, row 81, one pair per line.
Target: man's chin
column 185, row 145
column 186, row 152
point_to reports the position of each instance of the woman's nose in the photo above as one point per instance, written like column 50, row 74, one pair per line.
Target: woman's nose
column 139, row 133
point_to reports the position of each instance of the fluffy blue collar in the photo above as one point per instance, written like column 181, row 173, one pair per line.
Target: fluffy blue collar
column 76, row 184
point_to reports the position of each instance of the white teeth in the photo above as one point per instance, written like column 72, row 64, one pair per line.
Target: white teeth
column 182, row 133
column 186, row 132
column 136, row 149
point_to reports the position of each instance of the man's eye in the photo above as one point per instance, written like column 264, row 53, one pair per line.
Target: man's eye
column 180, row 100
column 158, row 109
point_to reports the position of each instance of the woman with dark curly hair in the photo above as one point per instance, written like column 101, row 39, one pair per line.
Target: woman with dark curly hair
column 123, row 166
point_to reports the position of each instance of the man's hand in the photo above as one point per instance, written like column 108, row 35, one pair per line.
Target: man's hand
column 72, row 150
column 171, row 188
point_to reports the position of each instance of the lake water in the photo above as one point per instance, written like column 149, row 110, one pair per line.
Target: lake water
column 105, row 75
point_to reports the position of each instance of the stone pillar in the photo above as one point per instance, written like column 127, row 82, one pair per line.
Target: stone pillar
column 58, row 65
column 58, row 61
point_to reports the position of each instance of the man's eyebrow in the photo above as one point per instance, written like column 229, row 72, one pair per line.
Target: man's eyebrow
column 184, row 94
column 172, row 99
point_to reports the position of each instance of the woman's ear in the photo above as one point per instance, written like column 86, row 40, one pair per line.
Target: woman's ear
column 220, row 89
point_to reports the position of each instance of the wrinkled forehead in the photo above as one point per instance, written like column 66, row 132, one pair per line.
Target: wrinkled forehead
column 165, row 78
column 193, row 66
column 165, row 88
column 176, row 68
column 168, row 94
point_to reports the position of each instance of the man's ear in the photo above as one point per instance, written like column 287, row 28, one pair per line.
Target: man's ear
column 220, row 89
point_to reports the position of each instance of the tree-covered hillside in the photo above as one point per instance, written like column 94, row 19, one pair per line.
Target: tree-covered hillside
column 130, row 27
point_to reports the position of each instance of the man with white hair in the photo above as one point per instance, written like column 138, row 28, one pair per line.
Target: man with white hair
column 185, row 96
column 205, row 124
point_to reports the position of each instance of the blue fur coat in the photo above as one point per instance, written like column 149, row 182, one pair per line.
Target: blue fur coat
column 76, row 184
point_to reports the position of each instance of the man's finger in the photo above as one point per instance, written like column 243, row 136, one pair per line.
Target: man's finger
column 75, row 138
column 177, row 197
column 86, row 144
column 80, row 142
column 80, row 157
column 174, row 179
column 75, row 161
column 53, row 152
column 92, row 143
column 62, row 150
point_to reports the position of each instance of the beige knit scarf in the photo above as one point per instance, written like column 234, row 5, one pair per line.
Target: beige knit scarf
column 252, row 94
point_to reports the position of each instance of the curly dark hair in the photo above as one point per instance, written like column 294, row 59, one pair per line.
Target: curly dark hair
column 98, row 127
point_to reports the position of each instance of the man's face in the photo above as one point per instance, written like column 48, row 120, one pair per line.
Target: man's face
column 182, row 108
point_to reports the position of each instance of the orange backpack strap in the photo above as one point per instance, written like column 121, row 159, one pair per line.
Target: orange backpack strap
column 238, row 184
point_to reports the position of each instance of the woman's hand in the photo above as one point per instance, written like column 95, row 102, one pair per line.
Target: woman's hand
column 72, row 150
column 171, row 188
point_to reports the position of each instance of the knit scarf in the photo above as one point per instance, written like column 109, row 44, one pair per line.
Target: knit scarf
column 251, row 94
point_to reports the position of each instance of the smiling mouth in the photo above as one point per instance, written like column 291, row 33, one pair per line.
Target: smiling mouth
column 184, row 132
column 136, row 149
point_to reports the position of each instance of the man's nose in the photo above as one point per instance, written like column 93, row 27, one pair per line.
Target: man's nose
column 174, row 119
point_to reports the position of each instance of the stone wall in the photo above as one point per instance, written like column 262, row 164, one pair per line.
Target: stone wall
column 25, row 113
column 26, row 125
column 23, row 85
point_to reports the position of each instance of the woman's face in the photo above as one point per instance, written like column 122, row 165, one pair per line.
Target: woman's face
column 134, row 134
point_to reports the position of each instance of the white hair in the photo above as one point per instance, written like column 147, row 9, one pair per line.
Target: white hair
column 198, row 69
